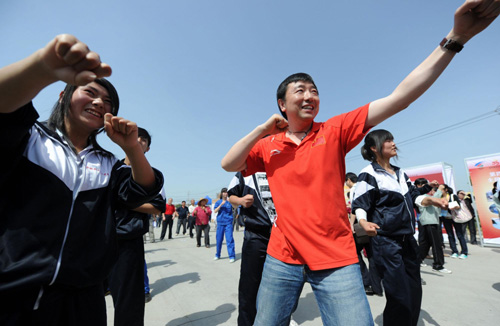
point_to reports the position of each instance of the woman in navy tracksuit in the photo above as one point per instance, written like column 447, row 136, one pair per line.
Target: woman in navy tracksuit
column 383, row 203
column 59, row 189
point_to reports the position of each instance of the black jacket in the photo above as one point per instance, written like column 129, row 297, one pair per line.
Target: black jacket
column 387, row 199
column 57, row 223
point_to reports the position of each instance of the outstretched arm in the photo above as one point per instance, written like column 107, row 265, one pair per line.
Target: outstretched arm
column 235, row 159
column 64, row 58
column 470, row 19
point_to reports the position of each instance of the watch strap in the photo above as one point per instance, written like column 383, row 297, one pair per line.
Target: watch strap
column 451, row 45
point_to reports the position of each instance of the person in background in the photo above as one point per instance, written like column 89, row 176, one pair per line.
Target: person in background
column 430, row 231
column 191, row 218
column 168, row 221
column 182, row 214
column 450, row 225
column 466, row 198
column 245, row 192
column 224, row 211
column 126, row 280
column 202, row 214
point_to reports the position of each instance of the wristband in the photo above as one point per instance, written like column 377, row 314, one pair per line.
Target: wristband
column 451, row 45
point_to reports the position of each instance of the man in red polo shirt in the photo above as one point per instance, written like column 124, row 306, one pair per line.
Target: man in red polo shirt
column 305, row 163
column 168, row 220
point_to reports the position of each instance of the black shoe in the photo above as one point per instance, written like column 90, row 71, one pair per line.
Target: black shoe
column 208, row 246
column 369, row 290
column 147, row 297
column 191, row 236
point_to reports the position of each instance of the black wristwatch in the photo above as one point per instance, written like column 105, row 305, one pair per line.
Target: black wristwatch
column 451, row 45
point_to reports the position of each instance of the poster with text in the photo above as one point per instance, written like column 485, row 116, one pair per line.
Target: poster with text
column 483, row 172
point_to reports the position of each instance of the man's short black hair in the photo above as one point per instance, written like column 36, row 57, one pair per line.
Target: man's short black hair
column 143, row 133
column 351, row 176
column 280, row 93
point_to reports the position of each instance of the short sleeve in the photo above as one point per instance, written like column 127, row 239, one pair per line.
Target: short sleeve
column 352, row 126
column 255, row 159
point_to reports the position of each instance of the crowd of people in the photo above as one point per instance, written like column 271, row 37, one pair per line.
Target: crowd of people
column 73, row 215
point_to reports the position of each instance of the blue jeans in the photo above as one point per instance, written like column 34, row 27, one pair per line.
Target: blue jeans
column 339, row 292
column 219, row 236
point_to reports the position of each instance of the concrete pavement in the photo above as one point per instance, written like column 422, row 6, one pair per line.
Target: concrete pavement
column 189, row 288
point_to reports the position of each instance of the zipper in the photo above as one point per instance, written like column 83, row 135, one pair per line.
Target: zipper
column 76, row 191
column 78, row 184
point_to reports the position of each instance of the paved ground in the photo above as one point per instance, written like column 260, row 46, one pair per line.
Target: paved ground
column 189, row 288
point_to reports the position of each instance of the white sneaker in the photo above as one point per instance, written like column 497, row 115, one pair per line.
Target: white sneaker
column 293, row 323
column 462, row 256
column 455, row 255
column 423, row 265
column 231, row 260
column 442, row 270
column 216, row 258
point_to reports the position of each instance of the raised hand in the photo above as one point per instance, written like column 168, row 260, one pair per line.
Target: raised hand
column 121, row 131
column 474, row 16
column 275, row 124
column 70, row 60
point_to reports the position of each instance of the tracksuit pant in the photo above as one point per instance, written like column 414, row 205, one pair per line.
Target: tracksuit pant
column 397, row 260
column 253, row 257
column 126, row 282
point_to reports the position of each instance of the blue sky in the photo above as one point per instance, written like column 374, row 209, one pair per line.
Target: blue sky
column 199, row 75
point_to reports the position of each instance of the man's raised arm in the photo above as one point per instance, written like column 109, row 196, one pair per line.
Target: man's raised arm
column 235, row 159
column 470, row 19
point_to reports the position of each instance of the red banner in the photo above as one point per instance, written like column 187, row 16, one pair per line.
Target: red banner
column 483, row 172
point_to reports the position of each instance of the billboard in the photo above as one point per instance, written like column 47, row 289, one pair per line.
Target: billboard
column 442, row 172
column 483, row 172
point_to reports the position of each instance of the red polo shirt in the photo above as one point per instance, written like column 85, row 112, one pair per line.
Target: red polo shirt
column 307, row 182
column 169, row 209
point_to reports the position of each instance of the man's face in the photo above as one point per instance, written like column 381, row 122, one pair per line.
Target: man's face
column 183, row 203
column 144, row 144
column 170, row 200
column 192, row 202
column 349, row 183
column 301, row 101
